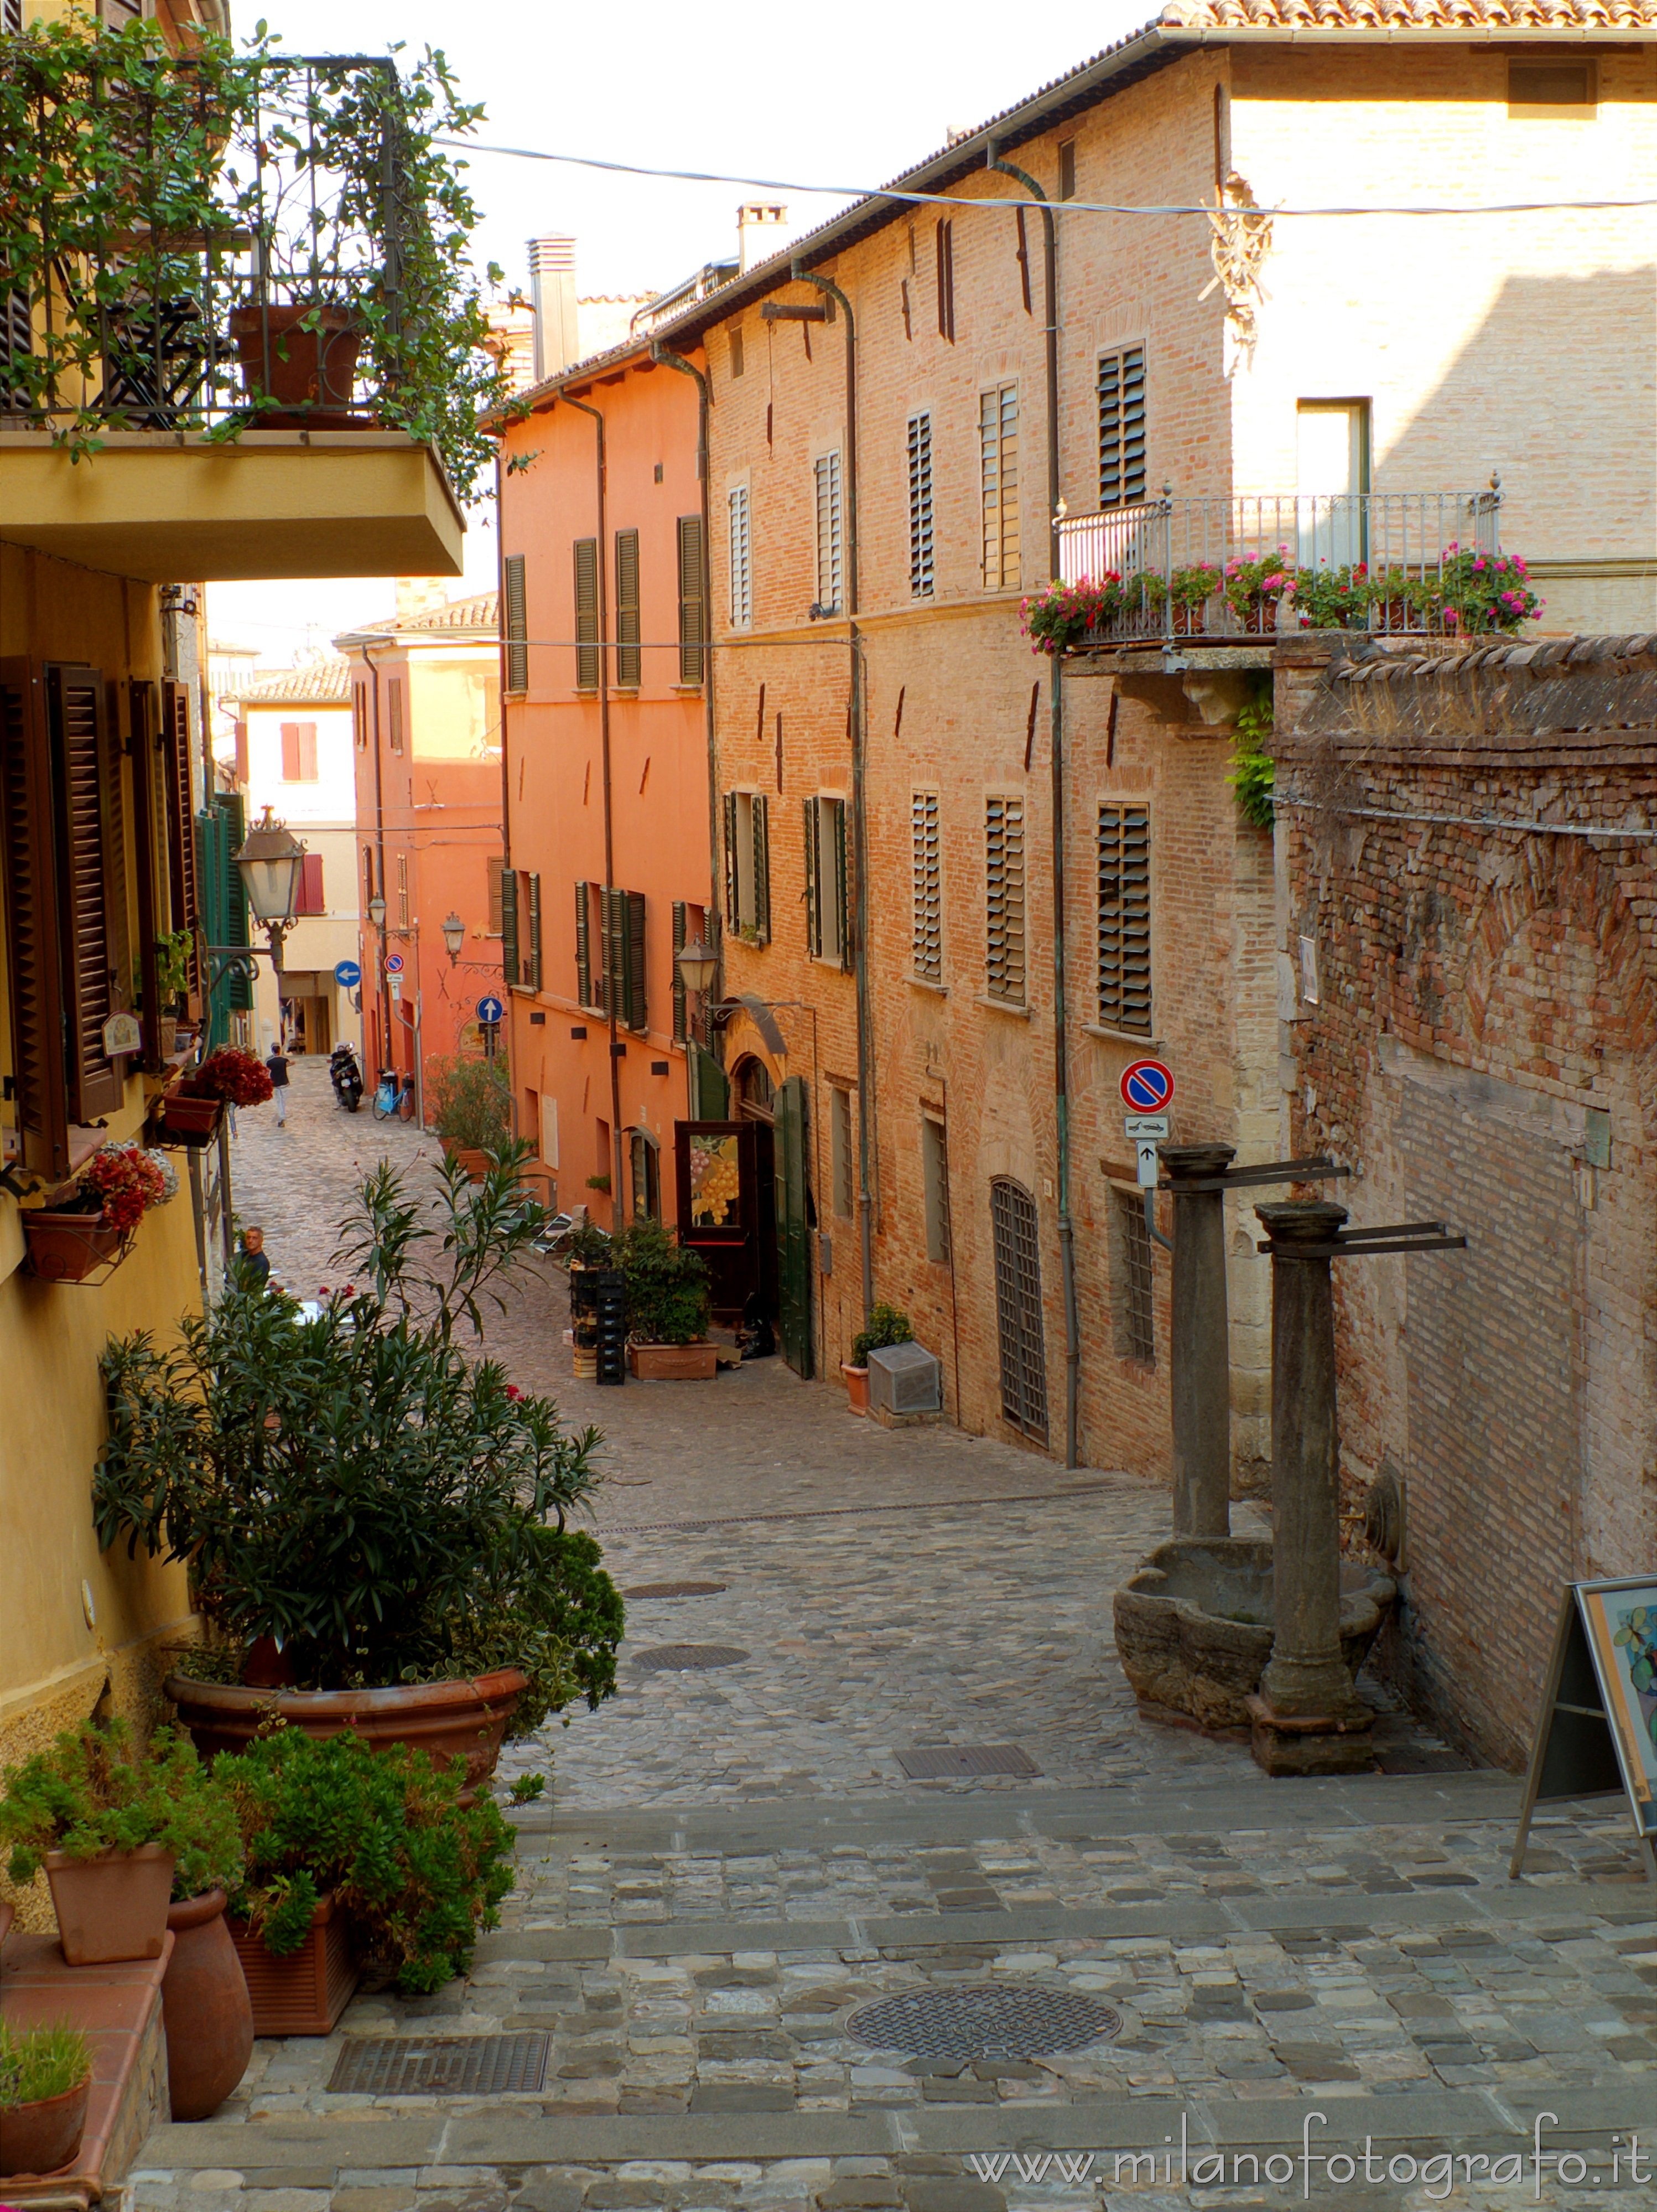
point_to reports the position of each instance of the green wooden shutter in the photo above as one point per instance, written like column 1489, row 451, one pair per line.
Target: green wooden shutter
column 793, row 1231
column 534, row 931
column 509, row 967
column 710, row 1087
column 693, row 630
column 586, row 614
column 514, row 615
column 77, row 711
column 842, row 887
column 679, row 994
column 634, row 945
column 629, row 659
column 583, row 949
column 732, row 912
column 28, row 881
column 813, row 906
column 762, row 867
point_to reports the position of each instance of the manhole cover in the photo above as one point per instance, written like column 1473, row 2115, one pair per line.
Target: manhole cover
column 440, row 2065
column 984, row 2020
column 675, row 1589
column 663, row 1658
column 946, row 1762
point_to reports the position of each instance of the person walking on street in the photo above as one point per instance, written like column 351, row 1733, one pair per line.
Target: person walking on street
column 276, row 1067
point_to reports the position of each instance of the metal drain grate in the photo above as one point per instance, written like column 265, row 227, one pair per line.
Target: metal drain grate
column 675, row 1589
column 440, row 2065
column 949, row 1762
column 662, row 1658
column 984, row 2020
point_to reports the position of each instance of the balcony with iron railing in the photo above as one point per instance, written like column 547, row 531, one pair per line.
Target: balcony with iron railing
column 1246, row 569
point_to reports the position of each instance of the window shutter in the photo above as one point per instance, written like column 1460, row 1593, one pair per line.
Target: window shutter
column 813, row 911
column 998, row 432
column 311, row 899
column 830, row 532
column 77, row 711
column 33, row 946
column 629, row 659
column 147, row 844
column 508, row 927
column 290, row 752
column 1003, row 855
column 235, row 992
column 928, row 938
column 583, row 948
column 586, row 614
column 1122, row 427
column 946, row 279
column 635, row 958
column 742, row 579
column 692, row 600
column 762, row 867
column 497, row 868
column 842, row 888
column 679, row 995
column 920, row 505
column 514, row 615
column 535, row 932
column 1124, row 894
column 394, row 712
column 183, row 880
column 732, row 917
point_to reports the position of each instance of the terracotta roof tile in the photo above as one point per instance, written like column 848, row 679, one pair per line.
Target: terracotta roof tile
column 316, row 682
column 1410, row 14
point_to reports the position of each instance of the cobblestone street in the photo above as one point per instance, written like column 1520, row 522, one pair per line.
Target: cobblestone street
column 730, row 1862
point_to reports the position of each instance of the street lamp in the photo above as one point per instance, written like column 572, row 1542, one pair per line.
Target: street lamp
column 698, row 966
column 272, row 864
column 377, row 911
column 454, row 935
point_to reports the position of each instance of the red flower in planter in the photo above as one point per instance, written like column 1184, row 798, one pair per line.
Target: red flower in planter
column 233, row 1075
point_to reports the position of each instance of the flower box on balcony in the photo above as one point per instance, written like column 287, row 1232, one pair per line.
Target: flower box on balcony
column 68, row 1248
column 184, row 1121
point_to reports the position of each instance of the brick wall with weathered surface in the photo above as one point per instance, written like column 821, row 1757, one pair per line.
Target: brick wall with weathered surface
column 1469, row 842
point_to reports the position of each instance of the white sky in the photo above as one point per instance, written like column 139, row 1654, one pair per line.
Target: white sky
column 850, row 94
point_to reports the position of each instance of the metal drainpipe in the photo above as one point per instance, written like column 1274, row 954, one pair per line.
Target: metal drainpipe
column 1056, row 702
column 860, row 834
column 387, row 1058
column 704, row 401
column 507, row 981
column 615, row 1214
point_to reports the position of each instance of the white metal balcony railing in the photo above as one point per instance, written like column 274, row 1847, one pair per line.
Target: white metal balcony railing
column 1228, row 568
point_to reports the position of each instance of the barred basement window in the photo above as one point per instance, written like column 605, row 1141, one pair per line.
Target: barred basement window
column 1133, row 1281
column 830, row 534
column 928, row 862
column 515, row 615
column 630, row 658
column 742, row 575
column 1004, row 860
column 920, row 506
column 1122, row 427
column 586, row 614
column 998, row 440
column 1124, row 909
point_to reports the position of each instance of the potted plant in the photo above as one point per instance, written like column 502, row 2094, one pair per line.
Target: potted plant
column 1255, row 589
column 190, row 1112
column 1190, row 589
column 172, row 953
column 471, row 1099
column 110, row 1824
column 1058, row 617
column 353, row 1859
column 1327, row 597
column 886, row 1325
column 45, row 2082
column 90, row 1219
column 357, row 1497
column 1478, row 592
column 668, row 1305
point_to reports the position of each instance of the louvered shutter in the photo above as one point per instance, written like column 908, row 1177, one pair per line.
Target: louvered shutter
column 583, row 949
column 33, row 949
column 515, row 620
column 77, row 713
column 607, row 953
column 1003, row 855
column 182, row 878
column 680, row 1024
column 1121, row 394
column 920, row 505
column 535, row 932
column 842, row 887
column 693, row 599
column 1124, row 918
column 586, row 614
column 147, row 844
column 732, row 913
column 762, row 867
column 928, row 935
column 509, row 967
column 813, row 904
column 236, row 992
column 635, row 901
column 629, row 659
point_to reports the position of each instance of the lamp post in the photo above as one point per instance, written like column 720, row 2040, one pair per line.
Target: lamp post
column 454, row 935
column 698, row 965
column 272, row 865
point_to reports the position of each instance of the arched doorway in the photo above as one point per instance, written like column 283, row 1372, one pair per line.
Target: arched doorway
column 755, row 1094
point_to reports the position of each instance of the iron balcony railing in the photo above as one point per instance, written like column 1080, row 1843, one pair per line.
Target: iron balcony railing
column 202, row 245
column 1226, row 569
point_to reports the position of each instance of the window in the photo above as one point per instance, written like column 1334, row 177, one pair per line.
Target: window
column 747, row 863
column 644, row 1162
column 741, row 578
column 935, row 1187
column 1133, row 1282
column 584, row 993
column 1124, row 894
column 946, row 278
column 11, row 16
column 1018, row 1307
column 586, row 614
column 839, row 1148
column 920, row 506
column 1004, row 857
column 681, row 997
column 394, row 712
column 928, row 864
column 367, row 876
column 403, row 890
column 998, row 441
column 497, row 868
column 515, row 613
column 630, row 658
column 622, row 955
column 1067, row 169
column 299, row 752
column 1552, row 90
column 1122, row 427
column 358, row 717
column 830, row 534
column 827, row 917
column 735, row 349
column 692, row 606
column 309, row 898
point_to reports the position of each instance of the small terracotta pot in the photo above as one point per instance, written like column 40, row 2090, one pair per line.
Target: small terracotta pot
column 113, row 1907
column 306, row 1992
column 857, row 1387
column 205, row 2007
column 44, row 2138
column 313, row 370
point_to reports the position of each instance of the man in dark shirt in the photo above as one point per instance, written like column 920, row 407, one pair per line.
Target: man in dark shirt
column 276, row 1067
column 253, row 1266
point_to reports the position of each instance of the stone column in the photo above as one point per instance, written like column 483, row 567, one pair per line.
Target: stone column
column 1308, row 1717
column 1199, row 1348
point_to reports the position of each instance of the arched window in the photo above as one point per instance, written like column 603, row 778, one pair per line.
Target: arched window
column 755, row 1093
column 1018, row 1307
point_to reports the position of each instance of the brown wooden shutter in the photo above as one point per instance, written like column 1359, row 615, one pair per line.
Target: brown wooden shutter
column 680, row 996
column 762, row 866
column 636, row 959
column 842, row 887
column 813, row 902
column 77, row 713
column 509, row 967
column 515, row 619
column 311, row 900
column 732, row 912
column 692, row 600
column 535, row 932
column 583, row 946
column 182, row 879
column 147, row 844
column 946, row 279
column 394, row 711
column 629, row 659
column 586, row 614
column 28, row 852
column 497, row 868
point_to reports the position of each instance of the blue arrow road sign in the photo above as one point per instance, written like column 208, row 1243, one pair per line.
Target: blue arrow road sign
column 489, row 1011
column 348, row 974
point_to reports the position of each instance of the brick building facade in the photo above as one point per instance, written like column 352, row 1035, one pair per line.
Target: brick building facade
column 1468, row 883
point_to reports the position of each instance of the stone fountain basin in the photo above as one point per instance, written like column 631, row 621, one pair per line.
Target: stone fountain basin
column 1194, row 1626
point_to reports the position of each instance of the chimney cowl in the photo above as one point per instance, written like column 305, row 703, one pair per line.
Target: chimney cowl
column 552, row 295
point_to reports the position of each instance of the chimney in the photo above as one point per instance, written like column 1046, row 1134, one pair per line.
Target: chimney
column 759, row 226
column 552, row 292
column 420, row 595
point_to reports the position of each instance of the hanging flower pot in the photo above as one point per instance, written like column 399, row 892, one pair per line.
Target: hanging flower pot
column 181, row 1119
column 303, row 357
column 66, row 1248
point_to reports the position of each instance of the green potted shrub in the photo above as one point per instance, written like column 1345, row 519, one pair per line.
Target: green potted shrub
column 364, row 1507
column 470, row 1102
column 669, row 1302
column 1190, row 589
column 45, row 2084
column 885, row 1325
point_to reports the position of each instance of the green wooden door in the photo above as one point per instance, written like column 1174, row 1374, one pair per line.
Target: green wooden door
column 793, row 1235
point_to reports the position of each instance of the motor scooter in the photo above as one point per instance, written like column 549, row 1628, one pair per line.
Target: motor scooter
column 347, row 1076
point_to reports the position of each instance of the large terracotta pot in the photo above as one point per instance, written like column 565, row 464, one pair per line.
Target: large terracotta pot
column 306, row 1992
column 205, row 2008
column 857, row 1387
column 312, row 371
column 40, row 2139
column 65, row 1248
column 467, row 1717
column 113, row 1907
